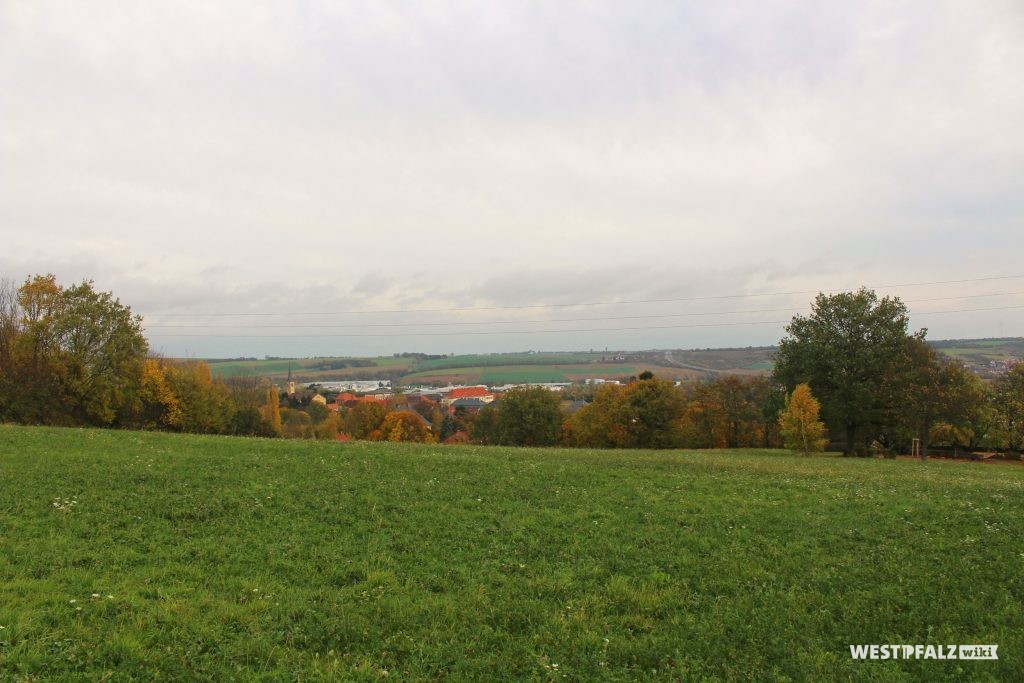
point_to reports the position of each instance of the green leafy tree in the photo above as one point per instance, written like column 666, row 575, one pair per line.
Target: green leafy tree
column 927, row 389
column 845, row 350
column 484, row 427
column 296, row 424
column 102, row 349
column 529, row 416
column 802, row 431
column 318, row 412
column 1008, row 405
column 67, row 356
column 248, row 421
column 654, row 407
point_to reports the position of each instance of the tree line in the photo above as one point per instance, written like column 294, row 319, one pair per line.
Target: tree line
column 850, row 374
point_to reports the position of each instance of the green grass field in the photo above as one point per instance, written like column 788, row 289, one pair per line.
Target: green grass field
column 150, row 556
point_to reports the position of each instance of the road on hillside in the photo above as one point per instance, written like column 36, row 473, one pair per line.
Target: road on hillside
column 671, row 360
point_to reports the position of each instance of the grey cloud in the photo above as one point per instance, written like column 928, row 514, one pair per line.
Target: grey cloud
column 376, row 155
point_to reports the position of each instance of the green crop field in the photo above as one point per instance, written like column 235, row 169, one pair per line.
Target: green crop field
column 501, row 374
column 144, row 556
column 307, row 367
column 504, row 359
column 600, row 370
column 513, row 374
column 236, row 368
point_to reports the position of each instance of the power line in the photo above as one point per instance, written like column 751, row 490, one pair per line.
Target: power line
column 549, row 320
column 494, row 332
column 582, row 304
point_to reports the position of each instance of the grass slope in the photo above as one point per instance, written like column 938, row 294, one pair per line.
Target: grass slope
column 153, row 556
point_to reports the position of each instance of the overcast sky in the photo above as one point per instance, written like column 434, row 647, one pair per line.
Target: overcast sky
column 298, row 157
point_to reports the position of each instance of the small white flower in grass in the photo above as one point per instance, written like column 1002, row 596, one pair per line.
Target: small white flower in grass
column 95, row 595
column 110, row 597
column 72, row 601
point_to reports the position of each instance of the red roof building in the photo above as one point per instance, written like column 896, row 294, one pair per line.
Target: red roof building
column 482, row 393
column 468, row 392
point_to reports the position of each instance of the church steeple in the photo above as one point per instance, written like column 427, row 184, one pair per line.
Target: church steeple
column 291, row 384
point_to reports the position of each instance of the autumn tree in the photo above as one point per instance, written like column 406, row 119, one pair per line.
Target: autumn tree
column 205, row 403
column 801, row 429
column 158, row 406
column 271, row 411
column 363, row 418
column 402, row 425
column 328, row 428
column 602, row 423
column 643, row 414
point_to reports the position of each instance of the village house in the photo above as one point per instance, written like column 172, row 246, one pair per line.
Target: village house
column 481, row 392
column 471, row 404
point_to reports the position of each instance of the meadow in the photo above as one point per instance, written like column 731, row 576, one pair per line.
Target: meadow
column 145, row 556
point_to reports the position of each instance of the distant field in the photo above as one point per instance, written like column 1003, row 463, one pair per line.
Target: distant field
column 512, row 375
column 502, row 374
column 600, row 370
column 305, row 367
column 152, row 556
column 978, row 354
column 235, row 368
column 506, row 359
column 490, row 375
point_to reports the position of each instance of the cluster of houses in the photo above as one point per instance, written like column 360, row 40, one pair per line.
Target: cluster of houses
column 1003, row 365
column 450, row 399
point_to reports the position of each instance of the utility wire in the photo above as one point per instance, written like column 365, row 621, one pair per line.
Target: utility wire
column 573, row 305
column 549, row 320
column 494, row 332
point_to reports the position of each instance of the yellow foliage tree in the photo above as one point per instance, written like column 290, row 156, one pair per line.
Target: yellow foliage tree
column 271, row 411
column 801, row 429
column 160, row 406
column 403, row 425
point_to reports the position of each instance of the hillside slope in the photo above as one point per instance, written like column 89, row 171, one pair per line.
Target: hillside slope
column 214, row 558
